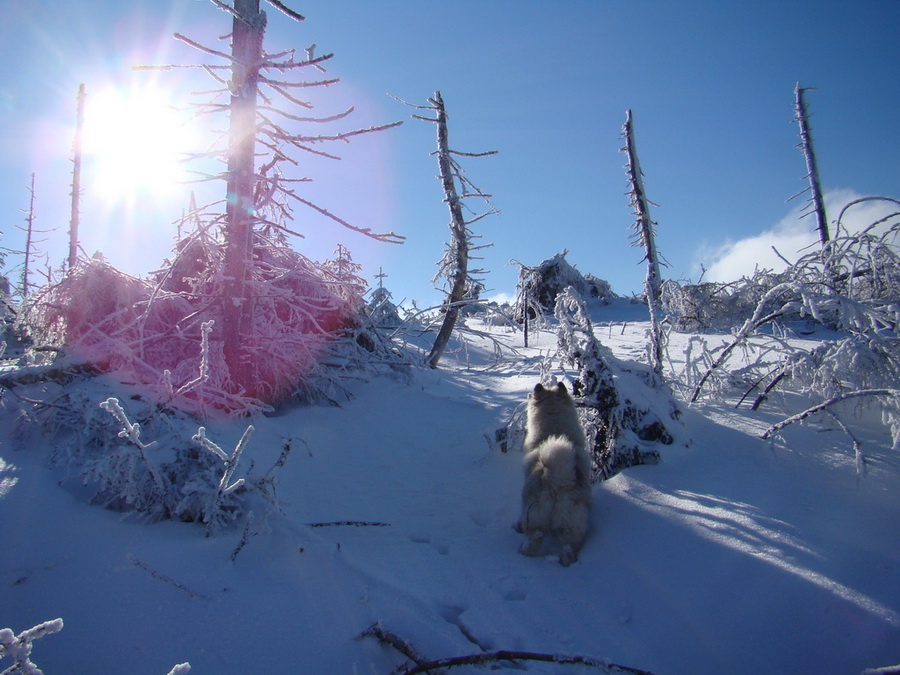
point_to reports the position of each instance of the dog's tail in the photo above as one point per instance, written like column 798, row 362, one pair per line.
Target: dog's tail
column 559, row 457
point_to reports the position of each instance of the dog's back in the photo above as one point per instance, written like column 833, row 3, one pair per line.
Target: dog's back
column 556, row 497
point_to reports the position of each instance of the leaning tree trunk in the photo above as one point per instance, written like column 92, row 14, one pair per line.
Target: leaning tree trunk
column 249, row 25
column 815, row 186
column 644, row 230
column 459, row 237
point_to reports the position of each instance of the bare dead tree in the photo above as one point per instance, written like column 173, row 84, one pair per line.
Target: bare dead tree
column 644, row 235
column 29, row 231
column 817, row 201
column 258, row 193
column 31, row 251
column 76, row 180
column 455, row 264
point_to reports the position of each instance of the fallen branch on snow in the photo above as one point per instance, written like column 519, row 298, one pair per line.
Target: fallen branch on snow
column 388, row 638
column 421, row 665
column 350, row 523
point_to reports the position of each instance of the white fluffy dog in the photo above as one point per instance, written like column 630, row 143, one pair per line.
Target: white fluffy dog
column 556, row 498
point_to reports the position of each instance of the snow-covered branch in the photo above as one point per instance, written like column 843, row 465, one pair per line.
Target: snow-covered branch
column 19, row 647
column 132, row 431
column 205, row 329
column 775, row 428
column 225, row 485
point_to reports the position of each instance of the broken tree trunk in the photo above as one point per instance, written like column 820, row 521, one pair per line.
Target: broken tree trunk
column 645, row 236
column 76, row 180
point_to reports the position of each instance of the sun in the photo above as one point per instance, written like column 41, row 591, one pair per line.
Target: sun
column 134, row 143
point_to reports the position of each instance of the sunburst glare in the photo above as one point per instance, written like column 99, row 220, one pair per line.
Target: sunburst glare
column 135, row 143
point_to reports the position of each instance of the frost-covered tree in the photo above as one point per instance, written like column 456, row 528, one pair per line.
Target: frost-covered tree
column 645, row 236
column 539, row 286
column 29, row 251
column 454, row 266
column 277, row 315
column 256, row 153
column 383, row 311
column 626, row 409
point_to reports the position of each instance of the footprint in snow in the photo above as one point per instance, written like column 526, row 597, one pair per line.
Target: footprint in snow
column 511, row 588
column 441, row 547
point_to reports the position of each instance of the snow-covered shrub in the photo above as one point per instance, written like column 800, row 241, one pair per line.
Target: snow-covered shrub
column 539, row 286
column 851, row 287
column 863, row 265
column 708, row 306
column 626, row 408
column 139, row 330
column 853, row 269
column 133, row 456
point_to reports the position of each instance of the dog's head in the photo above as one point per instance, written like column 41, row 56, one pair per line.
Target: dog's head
column 559, row 392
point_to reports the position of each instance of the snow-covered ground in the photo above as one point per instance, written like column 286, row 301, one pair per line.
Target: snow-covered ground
column 731, row 556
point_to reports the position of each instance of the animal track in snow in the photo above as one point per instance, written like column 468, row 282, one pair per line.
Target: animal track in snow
column 440, row 546
column 510, row 588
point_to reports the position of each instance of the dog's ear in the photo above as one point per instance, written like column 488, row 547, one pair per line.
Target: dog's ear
column 538, row 388
column 561, row 388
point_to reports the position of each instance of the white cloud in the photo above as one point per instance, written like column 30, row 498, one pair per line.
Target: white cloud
column 791, row 237
column 502, row 297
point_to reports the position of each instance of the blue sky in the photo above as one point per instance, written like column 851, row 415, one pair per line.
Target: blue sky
column 546, row 84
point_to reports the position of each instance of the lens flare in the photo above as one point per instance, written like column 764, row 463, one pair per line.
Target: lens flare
column 134, row 143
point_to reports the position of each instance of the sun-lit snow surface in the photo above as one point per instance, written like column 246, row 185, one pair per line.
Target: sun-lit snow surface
column 731, row 556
